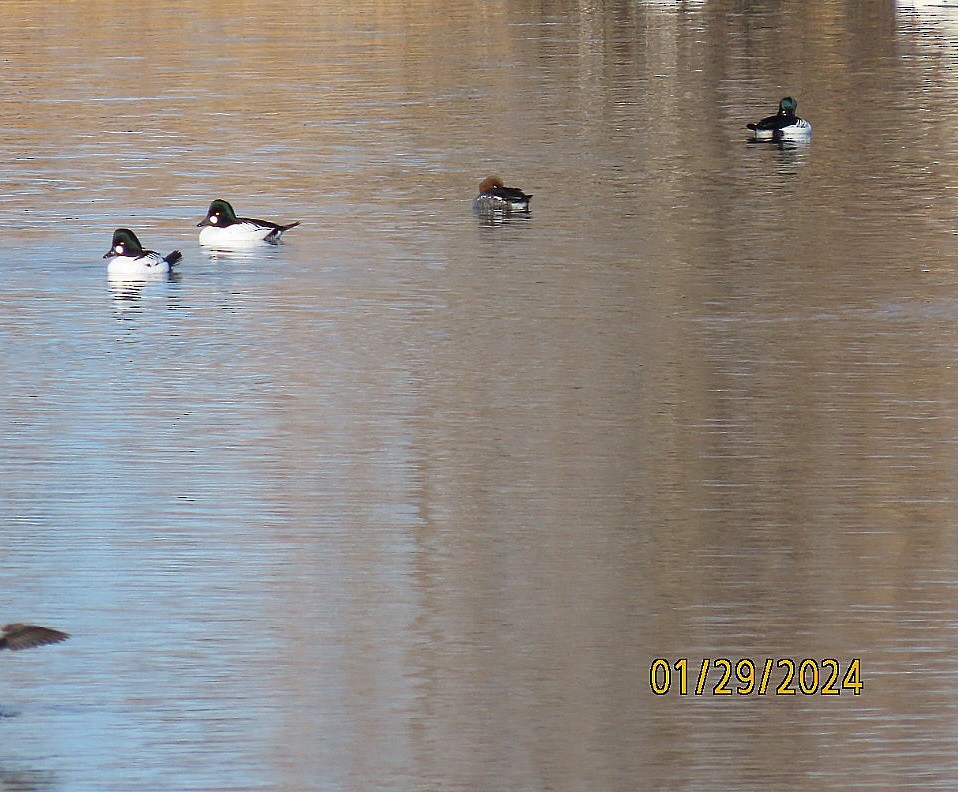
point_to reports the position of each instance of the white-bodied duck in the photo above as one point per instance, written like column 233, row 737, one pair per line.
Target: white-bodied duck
column 223, row 229
column 784, row 125
column 128, row 259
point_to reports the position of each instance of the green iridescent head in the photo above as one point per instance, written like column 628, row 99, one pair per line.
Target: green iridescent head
column 788, row 105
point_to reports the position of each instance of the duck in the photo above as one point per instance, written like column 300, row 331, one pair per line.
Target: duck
column 25, row 636
column 494, row 197
column 129, row 259
column 222, row 228
column 784, row 125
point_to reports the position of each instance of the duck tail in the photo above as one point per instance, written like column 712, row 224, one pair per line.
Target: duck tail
column 174, row 257
column 287, row 227
column 751, row 126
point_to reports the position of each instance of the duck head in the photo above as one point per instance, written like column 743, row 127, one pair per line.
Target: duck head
column 125, row 243
column 788, row 106
column 489, row 183
column 220, row 214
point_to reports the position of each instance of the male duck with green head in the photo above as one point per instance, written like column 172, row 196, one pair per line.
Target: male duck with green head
column 223, row 229
column 784, row 125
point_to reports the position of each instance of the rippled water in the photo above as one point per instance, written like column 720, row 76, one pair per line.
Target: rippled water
column 415, row 502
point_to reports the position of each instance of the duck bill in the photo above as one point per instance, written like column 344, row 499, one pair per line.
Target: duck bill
column 110, row 253
column 204, row 222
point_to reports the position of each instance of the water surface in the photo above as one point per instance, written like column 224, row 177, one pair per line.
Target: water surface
column 413, row 501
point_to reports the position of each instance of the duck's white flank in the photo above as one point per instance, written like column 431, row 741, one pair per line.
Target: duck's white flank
column 242, row 234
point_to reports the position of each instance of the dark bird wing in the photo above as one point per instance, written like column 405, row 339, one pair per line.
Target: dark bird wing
column 773, row 122
column 277, row 229
column 511, row 194
column 26, row 636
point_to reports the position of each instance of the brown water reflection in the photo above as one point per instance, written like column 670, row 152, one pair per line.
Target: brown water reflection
column 414, row 502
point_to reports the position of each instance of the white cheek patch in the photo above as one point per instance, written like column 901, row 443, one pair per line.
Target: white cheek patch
column 119, row 249
column 214, row 219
